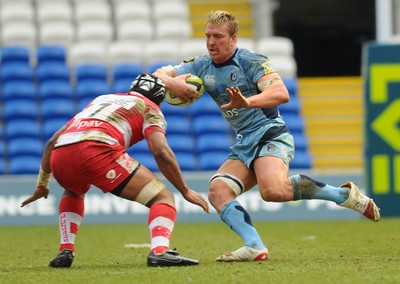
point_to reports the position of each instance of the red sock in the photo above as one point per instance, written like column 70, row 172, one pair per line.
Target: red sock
column 71, row 214
column 161, row 222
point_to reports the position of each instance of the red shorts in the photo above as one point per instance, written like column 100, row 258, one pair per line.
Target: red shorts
column 77, row 166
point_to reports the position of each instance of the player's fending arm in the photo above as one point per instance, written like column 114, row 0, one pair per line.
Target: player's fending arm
column 169, row 167
column 44, row 174
column 273, row 92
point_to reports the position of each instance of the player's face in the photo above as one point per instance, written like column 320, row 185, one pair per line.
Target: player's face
column 220, row 44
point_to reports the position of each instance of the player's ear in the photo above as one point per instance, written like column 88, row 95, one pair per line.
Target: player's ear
column 234, row 39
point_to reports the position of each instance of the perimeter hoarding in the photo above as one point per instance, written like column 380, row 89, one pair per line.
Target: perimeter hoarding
column 107, row 208
column 381, row 69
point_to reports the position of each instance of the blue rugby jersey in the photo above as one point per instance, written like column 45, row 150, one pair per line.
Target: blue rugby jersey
column 242, row 70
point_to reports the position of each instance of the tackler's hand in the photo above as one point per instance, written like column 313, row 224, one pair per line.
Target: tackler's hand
column 39, row 192
column 196, row 198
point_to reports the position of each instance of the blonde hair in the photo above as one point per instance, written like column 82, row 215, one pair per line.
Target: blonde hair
column 223, row 17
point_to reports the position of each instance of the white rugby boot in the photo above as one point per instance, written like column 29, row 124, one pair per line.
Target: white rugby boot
column 244, row 253
column 360, row 202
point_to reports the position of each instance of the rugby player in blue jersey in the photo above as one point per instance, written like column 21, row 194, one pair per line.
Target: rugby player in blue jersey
column 248, row 91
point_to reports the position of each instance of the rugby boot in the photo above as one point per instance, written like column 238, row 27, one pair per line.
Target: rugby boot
column 244, row 253
column 63, row 259
column 360, row 202
column 169, row 258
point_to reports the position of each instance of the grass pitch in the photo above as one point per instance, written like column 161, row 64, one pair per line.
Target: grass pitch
column 356, row 251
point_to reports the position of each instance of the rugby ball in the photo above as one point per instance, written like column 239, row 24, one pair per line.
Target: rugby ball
column 194, row 82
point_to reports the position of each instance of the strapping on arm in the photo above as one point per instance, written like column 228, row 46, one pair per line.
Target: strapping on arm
column 168, row 69
column 43, row 178
column 265, row 84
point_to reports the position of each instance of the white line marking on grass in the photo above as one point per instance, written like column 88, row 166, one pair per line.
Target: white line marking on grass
column 136, row 245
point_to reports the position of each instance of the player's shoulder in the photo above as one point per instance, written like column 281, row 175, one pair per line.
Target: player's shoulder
column 197, row 59
column 248, row 54
column 195, row 65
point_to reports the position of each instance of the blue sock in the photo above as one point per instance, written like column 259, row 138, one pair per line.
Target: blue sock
column 236, row 217
column 305, row 187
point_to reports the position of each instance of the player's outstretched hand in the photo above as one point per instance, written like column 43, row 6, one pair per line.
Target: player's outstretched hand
column 237, row 99
column 39, row 192
column 196, row 198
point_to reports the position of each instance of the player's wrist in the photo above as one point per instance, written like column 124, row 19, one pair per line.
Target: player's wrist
column 43, row 178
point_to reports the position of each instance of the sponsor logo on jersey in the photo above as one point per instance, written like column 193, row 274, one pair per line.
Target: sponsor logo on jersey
column 209, row 80
column 230, row 113
column 188, row 60
column 127, row 163
column 79, row 123
column 271, row 148
column 284, row 153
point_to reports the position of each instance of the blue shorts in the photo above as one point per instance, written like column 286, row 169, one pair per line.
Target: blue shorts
column 271, row 140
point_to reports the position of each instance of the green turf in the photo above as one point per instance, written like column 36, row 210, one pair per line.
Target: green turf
column 357, row 251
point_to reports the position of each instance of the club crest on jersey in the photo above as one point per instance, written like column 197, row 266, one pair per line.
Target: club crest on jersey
column 233, row 75
column 111, row 174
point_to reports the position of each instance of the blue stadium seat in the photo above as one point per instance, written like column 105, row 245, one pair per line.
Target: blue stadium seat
column 21, row 128
column 121, row 85
column 152, row 67
column 146, row 159
column 178, row 125
column 24, row 165
column 51, row 53
column 126, row 71
column 15, row 90
column 52, row 71
column 49, row 127
column 209, row 124
column 20, row 108
column 3, row 168
column 211, row 161
column 300, row 141
column 2, row 136
column 139, row 147
column 82, row 103
column 187, row 161
column 294, row 122
column 16, row 71
column 210, row 142
column 57, row 108
column 25, row 146
column 302, row 160
column 292, row 85
column 55, row 89
column 2, row 150
column 204, row 106
column 13, row 54
column 168, row 109
column 88, row 71
column 291, row 107
column 183, row 143
column 91, row 88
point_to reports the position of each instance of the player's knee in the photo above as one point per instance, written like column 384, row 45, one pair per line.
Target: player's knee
column 272, row 193
column 215, row 192
column 223, row 186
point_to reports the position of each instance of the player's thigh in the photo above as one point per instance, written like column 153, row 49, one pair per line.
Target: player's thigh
column 272, row 177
